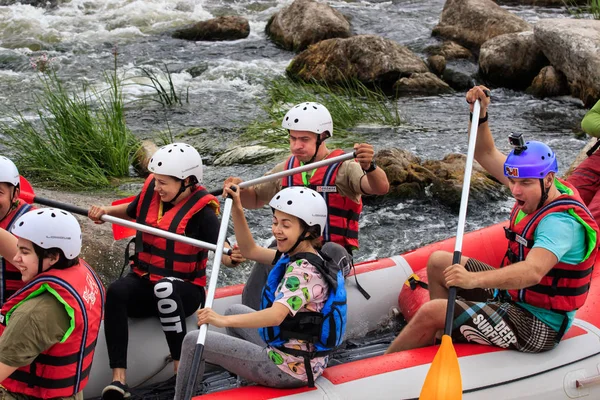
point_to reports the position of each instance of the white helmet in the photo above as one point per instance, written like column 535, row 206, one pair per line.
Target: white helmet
column 49, row 228
column 311, row 117
column 8, row 171
column 304, row 203
column 177, row 159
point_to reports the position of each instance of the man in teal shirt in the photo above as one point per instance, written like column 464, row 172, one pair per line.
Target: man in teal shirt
column 531, row 302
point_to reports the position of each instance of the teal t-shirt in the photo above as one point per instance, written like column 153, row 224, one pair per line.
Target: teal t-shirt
column 561, row 234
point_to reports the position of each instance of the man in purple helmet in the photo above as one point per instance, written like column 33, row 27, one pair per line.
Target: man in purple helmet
column 529, row 303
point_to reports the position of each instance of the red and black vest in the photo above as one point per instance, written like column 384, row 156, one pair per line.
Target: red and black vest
column 565, row 287
column 342, row 212
column 158, row 257
column 10, row 278
column 64, row 368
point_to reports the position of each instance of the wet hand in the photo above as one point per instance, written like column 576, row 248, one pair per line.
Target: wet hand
column 482, row 94
column 364, row 154
column 229, row 191
column 236, row 255
column 457, row 275
column 208, row 316
column 232, row 180
column 95, row 213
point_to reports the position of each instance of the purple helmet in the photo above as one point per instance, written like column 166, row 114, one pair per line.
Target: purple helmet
column 536, row 160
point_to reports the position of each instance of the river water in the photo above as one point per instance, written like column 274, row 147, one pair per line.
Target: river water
column 82, row 35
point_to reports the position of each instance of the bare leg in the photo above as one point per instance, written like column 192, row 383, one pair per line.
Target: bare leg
column 421, row 330
column 436, row 264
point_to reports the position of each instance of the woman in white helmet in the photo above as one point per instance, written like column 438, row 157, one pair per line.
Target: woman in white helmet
column 55, row 316
column 167, row 278
column 11, row 208
column 303, row 291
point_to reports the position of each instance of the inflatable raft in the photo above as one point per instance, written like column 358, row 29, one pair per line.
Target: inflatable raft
column 569, row 371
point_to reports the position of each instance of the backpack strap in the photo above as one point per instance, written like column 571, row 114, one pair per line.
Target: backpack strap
column 323, row 263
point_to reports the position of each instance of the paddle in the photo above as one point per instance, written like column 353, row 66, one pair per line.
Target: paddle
column 121, row 233
column 443, row 381
column 212, row 287
column 31, row 198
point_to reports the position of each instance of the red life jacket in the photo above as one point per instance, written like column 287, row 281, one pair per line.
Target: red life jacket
column 10, row 278
column 160, row 257
column 64, row 368
column 342, row 212
column 565, row 287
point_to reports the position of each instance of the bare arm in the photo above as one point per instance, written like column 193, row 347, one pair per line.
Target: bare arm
column 246, row 243
column 520, row 275
column 8, row 245
column 6, row 371
column 248, row 196
column 486, row 152
column 272, row 316
column 374, row 182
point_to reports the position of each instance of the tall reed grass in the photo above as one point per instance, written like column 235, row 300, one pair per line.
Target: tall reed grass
column 349, row 104
column 79, row 141
column 592, row 8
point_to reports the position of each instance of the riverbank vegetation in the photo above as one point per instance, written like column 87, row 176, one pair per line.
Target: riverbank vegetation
column 80, row 139
column 349, row 104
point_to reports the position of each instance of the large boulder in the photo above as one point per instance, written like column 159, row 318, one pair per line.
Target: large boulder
column 407, row 177
column 250, row 155
column 442, row 179
column 473, row 22
column 306, row 22
column 421, row 83
column 437, row 64
column 371, row 59
column 511, row 60
column 549, row 83
column 448, row 183
column 573, row 47
column 222, row 28
column 449, row 50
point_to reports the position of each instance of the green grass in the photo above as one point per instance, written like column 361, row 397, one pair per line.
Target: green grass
column 579, row 11
column 166, row 96
column 77, row 143
column 349, row 105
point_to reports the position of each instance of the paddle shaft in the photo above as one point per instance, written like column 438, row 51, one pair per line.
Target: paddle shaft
column 462, row 214
column 134, row 225
column 212, row 287
column 293, row 171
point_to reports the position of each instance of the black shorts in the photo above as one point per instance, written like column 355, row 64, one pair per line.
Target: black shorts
column 479, row 318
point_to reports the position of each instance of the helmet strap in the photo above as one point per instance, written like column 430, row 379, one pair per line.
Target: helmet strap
column 544, row 194
column 301, row 238
column 319, row 141
column 183, row 187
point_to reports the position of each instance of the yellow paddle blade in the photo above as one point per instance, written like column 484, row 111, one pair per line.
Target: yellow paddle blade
column 443, row 380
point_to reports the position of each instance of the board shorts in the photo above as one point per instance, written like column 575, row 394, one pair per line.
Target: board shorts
column 480, row 317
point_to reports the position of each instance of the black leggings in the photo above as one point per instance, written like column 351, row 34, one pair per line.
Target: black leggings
column 171, row 299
